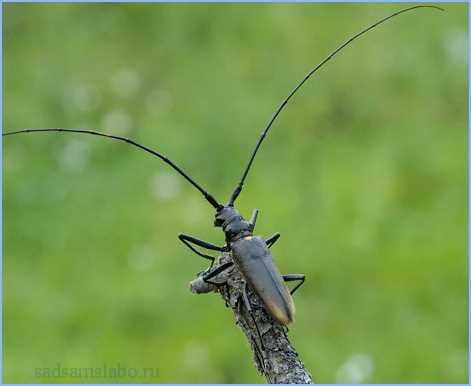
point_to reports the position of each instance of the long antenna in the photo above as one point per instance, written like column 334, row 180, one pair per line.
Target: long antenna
column 238, row 188
column 206, row 195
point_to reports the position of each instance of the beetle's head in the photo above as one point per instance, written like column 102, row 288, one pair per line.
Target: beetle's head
column 224, row 215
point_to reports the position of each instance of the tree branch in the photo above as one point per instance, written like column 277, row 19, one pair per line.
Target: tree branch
column 273, row 355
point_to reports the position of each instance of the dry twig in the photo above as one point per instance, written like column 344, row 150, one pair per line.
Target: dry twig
column 273, row 355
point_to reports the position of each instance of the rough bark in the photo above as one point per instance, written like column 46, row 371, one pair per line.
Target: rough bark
column 273, row 354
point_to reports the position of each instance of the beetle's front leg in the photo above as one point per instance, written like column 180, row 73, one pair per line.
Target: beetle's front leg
column 186, row 239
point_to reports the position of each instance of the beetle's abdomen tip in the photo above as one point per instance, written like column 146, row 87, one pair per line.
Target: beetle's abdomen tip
column 284, row 316
column 286, row 319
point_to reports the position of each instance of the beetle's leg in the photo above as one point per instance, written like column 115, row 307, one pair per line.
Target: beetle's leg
column 246, row 298
column 249, row 309
column 216, row 271
column 295, row 277
column 185, row 239
column 201, row 243
column 272, row 240
column 253, row 219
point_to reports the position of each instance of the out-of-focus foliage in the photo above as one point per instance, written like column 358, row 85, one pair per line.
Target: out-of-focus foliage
column 364, row 175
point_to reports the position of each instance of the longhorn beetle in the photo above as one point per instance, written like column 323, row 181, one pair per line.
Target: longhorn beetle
column 250, row 253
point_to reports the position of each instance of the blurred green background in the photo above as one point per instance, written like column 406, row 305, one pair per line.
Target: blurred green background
column 364, row 175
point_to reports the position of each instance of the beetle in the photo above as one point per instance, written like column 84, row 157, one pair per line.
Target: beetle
column 250, row 253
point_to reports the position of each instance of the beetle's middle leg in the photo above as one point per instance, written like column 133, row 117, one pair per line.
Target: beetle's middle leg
column 295, row 277
column 216, row 271
column 272, row 240
column 186, row 239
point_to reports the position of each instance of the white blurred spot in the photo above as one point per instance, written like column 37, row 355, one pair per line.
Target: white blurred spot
column 455, row 363
column 456, row 46
column 57, row 191
column 165, row 186
column 125, row 83
column 74, row 156
column 81, row 98
column 196, row 356
column 117, row 122
column 60, row 306
column 198, row 209
column 160, row 100
column 356, row 369
column 141, row 258
column 11, row 163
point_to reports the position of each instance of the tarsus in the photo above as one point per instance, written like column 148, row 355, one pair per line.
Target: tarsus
column 239, row 186
column 206, row 195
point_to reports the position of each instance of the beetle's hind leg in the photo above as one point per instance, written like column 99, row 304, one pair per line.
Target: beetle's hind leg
column 249, row 309
column 186, row 239
column 295, row 277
